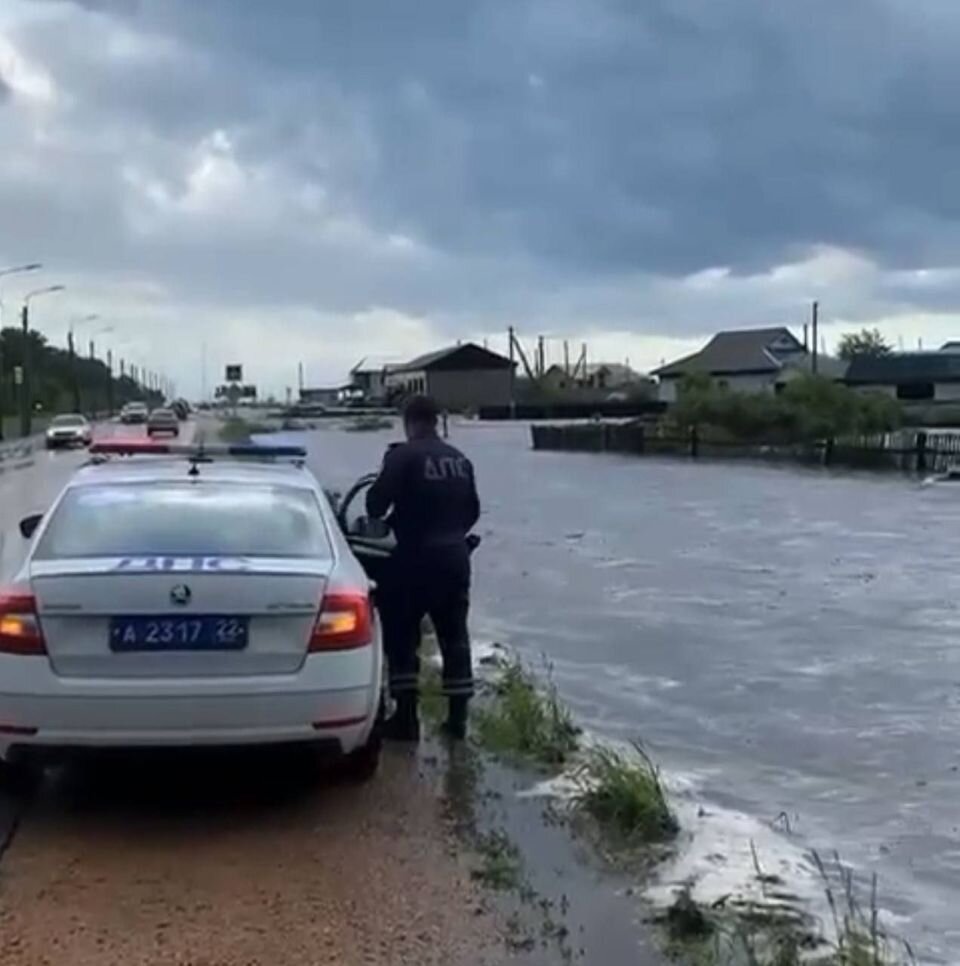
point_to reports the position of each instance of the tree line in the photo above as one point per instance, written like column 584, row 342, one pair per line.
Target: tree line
column 60, row 383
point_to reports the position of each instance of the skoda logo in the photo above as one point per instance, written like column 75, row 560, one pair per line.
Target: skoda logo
column 180, row 594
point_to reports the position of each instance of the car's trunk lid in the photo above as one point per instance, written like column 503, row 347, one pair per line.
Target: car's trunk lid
column 84, row 603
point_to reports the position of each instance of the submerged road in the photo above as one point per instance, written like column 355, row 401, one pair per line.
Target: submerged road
column 786, row 642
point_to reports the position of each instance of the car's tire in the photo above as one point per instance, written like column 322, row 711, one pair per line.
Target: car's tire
column 19, row 777
column 361, row 766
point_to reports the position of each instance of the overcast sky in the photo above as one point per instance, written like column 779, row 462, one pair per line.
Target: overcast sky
column 310, row 181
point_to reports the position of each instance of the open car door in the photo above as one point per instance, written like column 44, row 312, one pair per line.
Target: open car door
column 371, row 540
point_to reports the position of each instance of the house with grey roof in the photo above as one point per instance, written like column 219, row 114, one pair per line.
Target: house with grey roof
column 460, row 377
column 747, row 360
column 930, row 377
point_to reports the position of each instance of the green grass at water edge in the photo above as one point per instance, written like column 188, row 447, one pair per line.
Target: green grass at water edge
column 760, row 934
column 521, row 721
column 236, row 429
column 368, row 424
column 623, row 794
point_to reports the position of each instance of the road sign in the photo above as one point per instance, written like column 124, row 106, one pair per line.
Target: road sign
column 234, row 373
column 18, row 375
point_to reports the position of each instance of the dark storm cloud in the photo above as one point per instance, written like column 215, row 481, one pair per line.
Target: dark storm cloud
column 604, row 136
column 526, row 149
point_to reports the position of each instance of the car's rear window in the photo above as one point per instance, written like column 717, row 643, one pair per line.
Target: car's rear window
column 185, row 519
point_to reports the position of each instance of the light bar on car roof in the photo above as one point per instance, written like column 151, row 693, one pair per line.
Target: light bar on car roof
column 138, row 447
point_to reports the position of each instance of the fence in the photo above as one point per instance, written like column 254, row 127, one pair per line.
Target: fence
column 573, row 410
column 918, row 451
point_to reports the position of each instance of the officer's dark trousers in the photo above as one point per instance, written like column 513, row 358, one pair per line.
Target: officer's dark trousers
column 431, row 583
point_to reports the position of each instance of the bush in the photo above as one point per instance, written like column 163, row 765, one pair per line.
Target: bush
column 810, row 408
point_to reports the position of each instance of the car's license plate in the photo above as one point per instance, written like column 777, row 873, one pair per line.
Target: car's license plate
column 201, row 633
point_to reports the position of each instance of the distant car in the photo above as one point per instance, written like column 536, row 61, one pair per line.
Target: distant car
column 182, row 408
column 70, row 429
column 163, row 421
column 134, row 412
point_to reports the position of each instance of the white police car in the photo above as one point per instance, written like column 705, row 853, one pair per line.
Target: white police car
column 184, row 596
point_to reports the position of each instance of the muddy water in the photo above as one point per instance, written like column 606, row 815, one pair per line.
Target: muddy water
column 785, row 641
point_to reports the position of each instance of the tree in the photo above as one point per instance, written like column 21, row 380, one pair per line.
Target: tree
column 866, row 342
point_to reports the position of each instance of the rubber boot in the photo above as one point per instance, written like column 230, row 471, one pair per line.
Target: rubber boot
column 404, row 724
column 455, row 726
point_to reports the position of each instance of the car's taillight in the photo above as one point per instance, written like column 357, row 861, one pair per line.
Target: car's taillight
column 345, row 621
column 19, row 625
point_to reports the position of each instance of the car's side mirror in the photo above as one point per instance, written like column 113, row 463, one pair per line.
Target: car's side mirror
column 28, row 525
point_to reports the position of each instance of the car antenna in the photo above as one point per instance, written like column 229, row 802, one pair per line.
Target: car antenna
column 195, row 459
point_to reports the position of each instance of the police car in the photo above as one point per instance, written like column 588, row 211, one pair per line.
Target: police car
column 180, row 595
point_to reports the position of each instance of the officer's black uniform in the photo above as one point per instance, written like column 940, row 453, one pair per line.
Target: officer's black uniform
column 429, row 490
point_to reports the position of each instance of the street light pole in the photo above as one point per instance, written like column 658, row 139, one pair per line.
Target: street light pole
column 14, row 270
column 25, row 389
column 75, row 324
column 93, row 344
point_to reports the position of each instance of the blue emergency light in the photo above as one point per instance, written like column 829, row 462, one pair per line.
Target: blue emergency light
column 198, row 451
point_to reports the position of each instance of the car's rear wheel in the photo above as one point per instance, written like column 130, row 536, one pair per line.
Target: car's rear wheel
column 361, row 765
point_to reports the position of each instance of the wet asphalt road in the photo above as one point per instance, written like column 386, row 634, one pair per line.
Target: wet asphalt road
column 786, row 640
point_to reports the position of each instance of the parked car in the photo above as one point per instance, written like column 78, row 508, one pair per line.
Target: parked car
column 133, row 412
column 69, row 429
column 163, row 421
column 166, row 602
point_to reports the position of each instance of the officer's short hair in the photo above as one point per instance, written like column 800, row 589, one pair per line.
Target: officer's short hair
column 421, row 410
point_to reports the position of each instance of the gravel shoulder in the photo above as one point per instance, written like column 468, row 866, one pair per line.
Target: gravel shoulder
column 138, row 862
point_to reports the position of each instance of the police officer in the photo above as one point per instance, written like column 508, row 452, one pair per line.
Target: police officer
column 428, row 489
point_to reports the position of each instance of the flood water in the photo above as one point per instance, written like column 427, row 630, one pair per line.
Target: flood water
column 784, row 641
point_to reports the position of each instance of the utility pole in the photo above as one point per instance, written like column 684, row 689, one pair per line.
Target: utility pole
column 815, row 322
column 110, row 382
column 540, row 356
column 513, row 375
column 27, row 374
column 566, row 357
column 73, row 371
column 92, row 350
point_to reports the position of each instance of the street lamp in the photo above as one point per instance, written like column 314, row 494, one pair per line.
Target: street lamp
column 27, row 361
column 13, row 270
column 103, row 331
column 75, row 324
column 93, row 354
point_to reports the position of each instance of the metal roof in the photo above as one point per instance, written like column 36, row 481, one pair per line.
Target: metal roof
column 902, row 367
column 738, row 350
column 470, row 350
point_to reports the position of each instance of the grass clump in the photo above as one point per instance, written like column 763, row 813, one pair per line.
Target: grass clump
column 524, row 722
column 236, row 429
column 764, row 934
column 501, row 867
column 368, row 424
column 624, row 796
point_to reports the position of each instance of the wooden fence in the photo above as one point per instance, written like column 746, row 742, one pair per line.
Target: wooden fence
column 920, row 451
